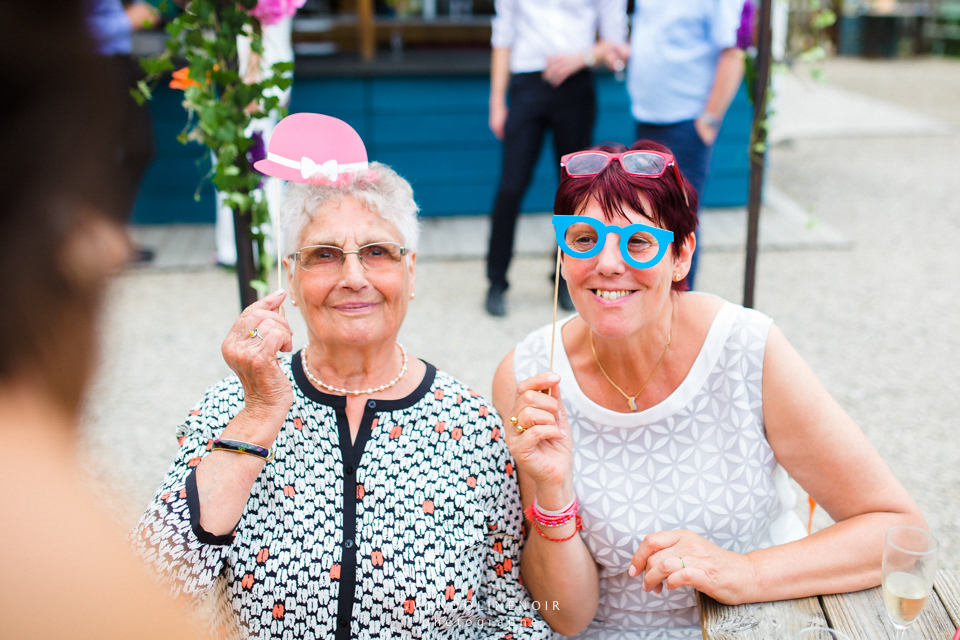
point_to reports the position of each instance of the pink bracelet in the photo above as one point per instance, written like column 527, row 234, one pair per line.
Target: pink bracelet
column 549, row 518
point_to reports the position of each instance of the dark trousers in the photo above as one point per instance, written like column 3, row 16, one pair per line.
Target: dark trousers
column 134, row 142
column 569, row 111
column 692, row 156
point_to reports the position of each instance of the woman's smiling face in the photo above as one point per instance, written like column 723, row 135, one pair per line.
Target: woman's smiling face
column 612, row 297
column 353, row 304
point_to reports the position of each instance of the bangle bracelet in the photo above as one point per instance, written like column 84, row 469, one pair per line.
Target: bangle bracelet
column 247, row 448
column 560, row 512
column 577, row 529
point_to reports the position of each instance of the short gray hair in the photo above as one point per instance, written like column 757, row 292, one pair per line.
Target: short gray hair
column 388, row 195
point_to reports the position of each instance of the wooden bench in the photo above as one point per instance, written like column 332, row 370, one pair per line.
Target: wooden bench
column 860, row 615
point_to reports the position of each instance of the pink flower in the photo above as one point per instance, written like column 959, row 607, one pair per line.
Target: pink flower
column 273, row 11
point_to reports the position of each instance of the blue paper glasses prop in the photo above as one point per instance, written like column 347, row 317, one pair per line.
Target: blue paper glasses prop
column 641, row 245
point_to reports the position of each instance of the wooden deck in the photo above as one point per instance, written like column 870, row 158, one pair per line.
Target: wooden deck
column 860, row 615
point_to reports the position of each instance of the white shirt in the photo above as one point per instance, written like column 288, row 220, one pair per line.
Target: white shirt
column 533, row 30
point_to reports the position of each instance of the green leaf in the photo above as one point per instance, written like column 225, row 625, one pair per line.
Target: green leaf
column 144, row 89
column 137, row 96
column 261, row 286
column 823, row 19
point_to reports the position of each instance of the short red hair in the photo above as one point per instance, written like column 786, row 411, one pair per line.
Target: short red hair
column 613, row 188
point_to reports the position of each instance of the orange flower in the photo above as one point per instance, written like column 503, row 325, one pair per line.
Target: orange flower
column 182, row 80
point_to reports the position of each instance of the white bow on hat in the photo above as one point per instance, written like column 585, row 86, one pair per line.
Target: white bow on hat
column 329, row 169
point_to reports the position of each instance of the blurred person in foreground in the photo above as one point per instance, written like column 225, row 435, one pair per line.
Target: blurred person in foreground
column 66, row 571
column 348, row 490
column 673, row 422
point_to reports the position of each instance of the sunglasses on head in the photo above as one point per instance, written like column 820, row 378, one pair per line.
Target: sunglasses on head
column 645, row 164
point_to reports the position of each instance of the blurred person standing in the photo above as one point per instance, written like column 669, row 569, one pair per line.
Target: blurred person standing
column 112, row 23
column 66, row 569
column 684, row 70
column 542, row 57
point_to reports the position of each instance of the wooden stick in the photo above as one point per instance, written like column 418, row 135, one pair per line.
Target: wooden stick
column 279, row 245
column 279, row 250
column 556, row 294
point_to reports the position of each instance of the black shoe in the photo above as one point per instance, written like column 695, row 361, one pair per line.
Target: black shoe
column 495, row 304
column 563, row 297
column 142, row 255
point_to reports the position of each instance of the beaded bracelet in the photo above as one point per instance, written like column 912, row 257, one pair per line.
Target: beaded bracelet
column 551, row 518
column 577, row 529
column 248, row 448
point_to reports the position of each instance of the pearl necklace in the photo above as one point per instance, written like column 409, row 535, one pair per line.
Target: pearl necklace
column 306, row 369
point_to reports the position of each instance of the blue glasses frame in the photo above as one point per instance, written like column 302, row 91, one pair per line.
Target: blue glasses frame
column 663, row 236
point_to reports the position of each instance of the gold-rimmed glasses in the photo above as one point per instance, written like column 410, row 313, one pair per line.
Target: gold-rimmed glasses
column 328, row 258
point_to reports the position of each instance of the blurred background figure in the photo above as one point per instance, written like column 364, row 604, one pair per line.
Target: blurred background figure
column 66, row 569
column 684, row 71
column 277, row 47
column 542, row 56
column 111, row 24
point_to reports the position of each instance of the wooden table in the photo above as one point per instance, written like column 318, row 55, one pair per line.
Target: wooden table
column 860, row 615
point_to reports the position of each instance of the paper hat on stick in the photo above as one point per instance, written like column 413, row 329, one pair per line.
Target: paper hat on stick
column 314, row 148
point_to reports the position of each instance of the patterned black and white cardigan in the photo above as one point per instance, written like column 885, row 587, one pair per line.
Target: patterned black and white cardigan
column 413, row 531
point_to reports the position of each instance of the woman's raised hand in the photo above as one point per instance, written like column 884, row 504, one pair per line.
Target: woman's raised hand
column 540, row 441
column 250, row 349
column 682, row 558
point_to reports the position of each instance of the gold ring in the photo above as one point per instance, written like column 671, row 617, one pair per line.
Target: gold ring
column 520, row 429
column 252, row 333
column 513, row 420
column 681, row 564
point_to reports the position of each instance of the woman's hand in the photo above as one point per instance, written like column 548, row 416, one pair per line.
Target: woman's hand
column 561, row 67
column 682, row 558
column 544, row 450
column 250, row 349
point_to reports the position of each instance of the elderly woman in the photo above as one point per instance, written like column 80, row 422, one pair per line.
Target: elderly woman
column 670, row 421
column 378, row 499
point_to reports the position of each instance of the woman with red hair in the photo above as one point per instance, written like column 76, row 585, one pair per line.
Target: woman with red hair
column 654, row 461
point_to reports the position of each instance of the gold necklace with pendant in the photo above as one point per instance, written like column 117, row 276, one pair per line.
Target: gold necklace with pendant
column 631, row 400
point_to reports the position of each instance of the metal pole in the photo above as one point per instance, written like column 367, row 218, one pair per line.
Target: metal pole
column 757, row 151
column 246, row 268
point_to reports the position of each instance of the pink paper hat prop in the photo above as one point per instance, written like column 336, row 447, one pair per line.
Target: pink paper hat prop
column 314, row 148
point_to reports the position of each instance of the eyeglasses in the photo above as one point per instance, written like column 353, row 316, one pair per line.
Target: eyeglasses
column 326, row 258
column 646, row 164
column 641, row 245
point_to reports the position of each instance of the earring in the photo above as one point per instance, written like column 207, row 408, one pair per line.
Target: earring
column 413, row 294
column 678, row 277
column 294, row 302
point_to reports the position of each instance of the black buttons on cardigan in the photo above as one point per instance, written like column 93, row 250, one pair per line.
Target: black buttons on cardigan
column 342, row 622
column 372, row 404
column 348, row 543
column 349, row 471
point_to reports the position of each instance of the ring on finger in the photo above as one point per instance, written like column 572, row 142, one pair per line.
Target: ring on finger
column 515, row 421
column 255, row 333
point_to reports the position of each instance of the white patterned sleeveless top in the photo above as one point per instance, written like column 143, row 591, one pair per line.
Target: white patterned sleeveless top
column 699, row 460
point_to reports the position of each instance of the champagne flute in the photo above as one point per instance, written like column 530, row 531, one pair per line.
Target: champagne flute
column 820, row 633
column 909, row 567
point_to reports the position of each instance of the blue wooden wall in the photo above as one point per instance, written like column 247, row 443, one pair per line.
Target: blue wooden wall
column 433, row 131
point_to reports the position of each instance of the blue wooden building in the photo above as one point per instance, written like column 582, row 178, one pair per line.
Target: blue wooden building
column 426, row 116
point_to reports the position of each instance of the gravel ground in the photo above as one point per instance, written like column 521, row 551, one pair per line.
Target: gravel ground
column 879, row 323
